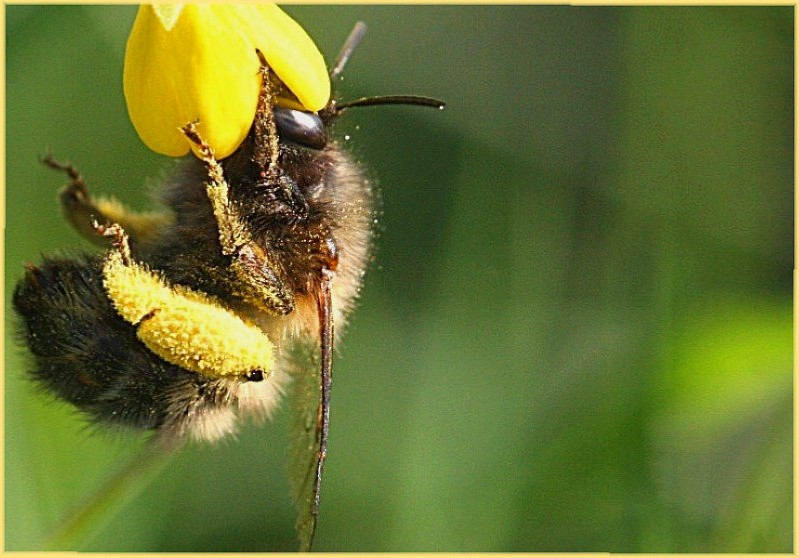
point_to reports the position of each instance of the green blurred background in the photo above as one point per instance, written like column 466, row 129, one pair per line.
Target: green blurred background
column 577, row 335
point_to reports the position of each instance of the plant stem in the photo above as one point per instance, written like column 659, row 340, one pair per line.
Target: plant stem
column 83, row 522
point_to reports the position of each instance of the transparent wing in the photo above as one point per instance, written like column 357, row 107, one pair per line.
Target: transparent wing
column 311, row 420
column 305, row 441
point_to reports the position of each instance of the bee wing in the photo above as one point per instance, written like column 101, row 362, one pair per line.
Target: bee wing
column 305, row 441
column 310, row 421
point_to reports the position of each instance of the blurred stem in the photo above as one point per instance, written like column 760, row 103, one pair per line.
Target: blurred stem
column 84, row 521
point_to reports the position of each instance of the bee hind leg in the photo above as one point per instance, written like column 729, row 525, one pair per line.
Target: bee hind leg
column 82, row 209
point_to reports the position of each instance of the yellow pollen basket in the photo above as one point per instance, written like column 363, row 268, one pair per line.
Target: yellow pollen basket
column 185, row 327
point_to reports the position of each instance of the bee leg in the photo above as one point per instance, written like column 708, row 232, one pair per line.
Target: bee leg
column 264, row 126
column 184, row 327
column 82, row 210
column 260, row 283
column 76, row 203
column 118, row 238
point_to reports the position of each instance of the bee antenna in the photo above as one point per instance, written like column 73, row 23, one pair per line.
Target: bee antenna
column 391, row 100
column 352, row 42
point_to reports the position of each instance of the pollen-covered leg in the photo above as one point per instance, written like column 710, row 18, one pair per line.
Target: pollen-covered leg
column 85, row 353
column 184, row 327
column 81, row 210
column 258, row 282
column 264, row 127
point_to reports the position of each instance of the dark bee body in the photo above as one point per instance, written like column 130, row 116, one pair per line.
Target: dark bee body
column 272, row 241
column 86, row 354
column 328, row 207
column 314, row 213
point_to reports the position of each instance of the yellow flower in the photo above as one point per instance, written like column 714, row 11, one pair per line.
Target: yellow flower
column 187, row 62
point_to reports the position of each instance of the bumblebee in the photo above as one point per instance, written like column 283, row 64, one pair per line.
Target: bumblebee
column 202, row 314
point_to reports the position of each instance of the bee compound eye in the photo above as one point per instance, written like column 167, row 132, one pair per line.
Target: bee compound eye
column 303, row 128
column 254, row 376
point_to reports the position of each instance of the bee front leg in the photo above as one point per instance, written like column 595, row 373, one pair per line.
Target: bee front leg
column 82, row 210
column 257, row 280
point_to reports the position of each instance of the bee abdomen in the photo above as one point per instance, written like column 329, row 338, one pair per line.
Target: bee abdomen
column 84, row 352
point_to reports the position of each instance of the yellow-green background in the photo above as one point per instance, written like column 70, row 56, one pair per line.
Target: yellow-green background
column 577, row 332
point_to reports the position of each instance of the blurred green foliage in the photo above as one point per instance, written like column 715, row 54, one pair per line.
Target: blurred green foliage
column 577, row 333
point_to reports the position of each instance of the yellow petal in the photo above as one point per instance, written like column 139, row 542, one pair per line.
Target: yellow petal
column 189, row 62
column 289, row 51
column 197, row 70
